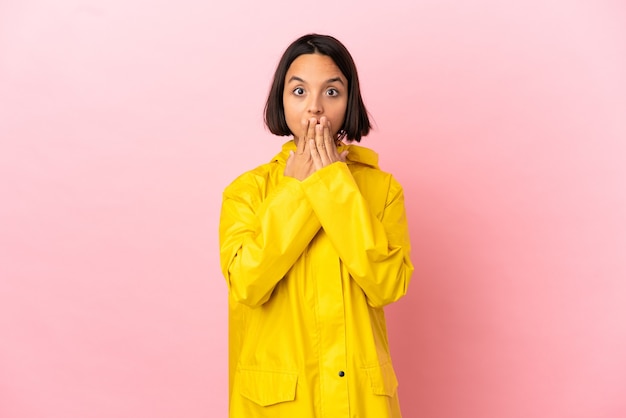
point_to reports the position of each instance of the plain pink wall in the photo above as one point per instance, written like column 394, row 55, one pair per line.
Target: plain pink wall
column 122, row 121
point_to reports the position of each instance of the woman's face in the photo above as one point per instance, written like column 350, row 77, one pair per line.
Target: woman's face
column 314, row 87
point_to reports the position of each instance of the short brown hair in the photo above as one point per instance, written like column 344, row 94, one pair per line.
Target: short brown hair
column 356, row 123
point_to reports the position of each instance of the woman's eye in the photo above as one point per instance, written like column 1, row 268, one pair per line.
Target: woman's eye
column 332, row 92
column 298, row 91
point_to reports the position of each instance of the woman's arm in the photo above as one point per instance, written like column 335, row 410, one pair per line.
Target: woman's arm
column 375, row 251
column 261, row 239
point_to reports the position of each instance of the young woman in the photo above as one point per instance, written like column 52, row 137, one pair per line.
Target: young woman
column 313, row 245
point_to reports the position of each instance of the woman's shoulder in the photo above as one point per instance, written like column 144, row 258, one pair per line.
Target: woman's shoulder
column 363, row 163
column 259, row 177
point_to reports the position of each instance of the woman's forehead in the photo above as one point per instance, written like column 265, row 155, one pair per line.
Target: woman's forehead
column 314, row 68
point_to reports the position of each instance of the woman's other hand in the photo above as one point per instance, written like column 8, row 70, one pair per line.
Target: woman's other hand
column 323, row 148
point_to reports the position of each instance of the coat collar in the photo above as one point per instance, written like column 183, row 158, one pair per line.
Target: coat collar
column 356, row 154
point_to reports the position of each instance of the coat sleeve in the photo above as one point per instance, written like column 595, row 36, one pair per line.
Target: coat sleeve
column 261, row 238
column 375, row 251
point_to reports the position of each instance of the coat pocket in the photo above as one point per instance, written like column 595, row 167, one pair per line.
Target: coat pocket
column 267, row 388
column 382, row 379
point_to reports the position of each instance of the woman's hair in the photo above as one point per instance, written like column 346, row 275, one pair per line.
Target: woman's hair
column 356, row 123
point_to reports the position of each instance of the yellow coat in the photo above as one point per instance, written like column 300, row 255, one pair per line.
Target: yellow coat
column 309, row 266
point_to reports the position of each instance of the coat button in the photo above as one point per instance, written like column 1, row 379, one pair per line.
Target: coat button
column 341, row 373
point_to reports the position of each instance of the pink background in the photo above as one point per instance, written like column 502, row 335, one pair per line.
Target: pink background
column 122, row 121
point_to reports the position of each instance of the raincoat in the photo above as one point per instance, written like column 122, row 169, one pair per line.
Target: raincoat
column 309, row 267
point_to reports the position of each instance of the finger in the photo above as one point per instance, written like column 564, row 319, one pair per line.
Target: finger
column 315, row 155
column 343, row 156
column 319, row 137
column 301, row 145
column 331, row 137
column 331, row 147
column 328, row 150
column 308, row 134
column 311, row 130
column 320, row 141
column 319, row 132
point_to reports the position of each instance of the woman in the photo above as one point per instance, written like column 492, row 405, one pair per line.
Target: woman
column 313, row 245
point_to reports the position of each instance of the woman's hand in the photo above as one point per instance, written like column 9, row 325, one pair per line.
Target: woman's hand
column 323, row 149
column 300, row 164
column 315, row 149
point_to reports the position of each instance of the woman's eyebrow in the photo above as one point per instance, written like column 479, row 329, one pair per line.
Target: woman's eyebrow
column 296, row 78
column 330, row 80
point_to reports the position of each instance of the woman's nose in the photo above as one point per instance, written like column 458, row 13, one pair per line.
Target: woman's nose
column 315, row 106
